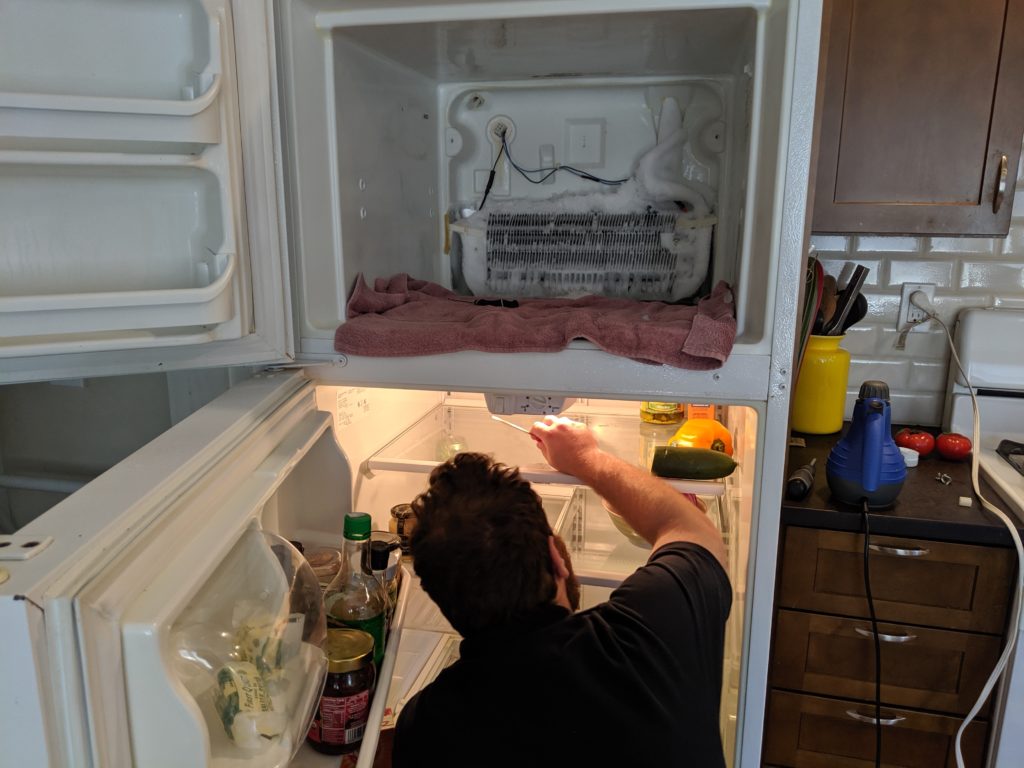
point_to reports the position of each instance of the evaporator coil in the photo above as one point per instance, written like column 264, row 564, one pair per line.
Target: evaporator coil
column 648, row 255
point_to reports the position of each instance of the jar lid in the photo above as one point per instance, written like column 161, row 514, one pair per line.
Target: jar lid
column 348, row 649
column 402, row 511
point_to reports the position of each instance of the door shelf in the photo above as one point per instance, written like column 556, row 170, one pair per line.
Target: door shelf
column 157, row 79
column 450, row 429
column 99, row 249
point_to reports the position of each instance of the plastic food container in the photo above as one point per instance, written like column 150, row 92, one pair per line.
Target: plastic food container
column 326, row 562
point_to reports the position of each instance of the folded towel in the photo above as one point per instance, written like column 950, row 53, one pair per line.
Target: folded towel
column 402, row 316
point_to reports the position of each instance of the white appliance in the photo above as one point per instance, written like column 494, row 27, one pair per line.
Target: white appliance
column 197, row 183
column 990, row 343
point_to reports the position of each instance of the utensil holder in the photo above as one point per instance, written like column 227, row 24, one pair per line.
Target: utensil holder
column 820, row 397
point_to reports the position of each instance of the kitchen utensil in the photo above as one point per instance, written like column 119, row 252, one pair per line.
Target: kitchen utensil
column 858, row 313
column 829, row 298
column 846, row 300
column 866, row 465
column 510, row 424
column 812, row 302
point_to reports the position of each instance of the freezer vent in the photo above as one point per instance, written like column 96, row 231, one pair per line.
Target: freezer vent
column 649, row 255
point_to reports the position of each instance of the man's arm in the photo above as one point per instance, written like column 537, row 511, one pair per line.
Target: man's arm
column 655, row 511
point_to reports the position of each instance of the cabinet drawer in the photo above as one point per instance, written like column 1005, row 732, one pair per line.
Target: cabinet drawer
column 811, row 732
column 923, row 668
column 953, row 586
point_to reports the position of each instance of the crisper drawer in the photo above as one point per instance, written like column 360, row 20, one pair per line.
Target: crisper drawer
column 924, row 668
column 953, row 586
column 812, row 732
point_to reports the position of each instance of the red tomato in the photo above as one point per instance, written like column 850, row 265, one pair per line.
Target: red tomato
column 953, row 446
column 922, row 442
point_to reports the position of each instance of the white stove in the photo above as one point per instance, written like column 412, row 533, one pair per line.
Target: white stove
column 990, row 343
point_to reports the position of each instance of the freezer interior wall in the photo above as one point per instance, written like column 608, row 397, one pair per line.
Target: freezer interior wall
column 408, row 107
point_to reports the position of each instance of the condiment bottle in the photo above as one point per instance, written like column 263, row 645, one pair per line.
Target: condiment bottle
column 402, row 522
column 344, row 707
column 661, row 413
column 355, row 598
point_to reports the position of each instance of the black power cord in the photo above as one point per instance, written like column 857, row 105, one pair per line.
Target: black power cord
column 877, row 642
column 549, row 172
column 490, row 178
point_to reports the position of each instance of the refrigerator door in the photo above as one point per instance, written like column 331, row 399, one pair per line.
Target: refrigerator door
column 163, row 584
column 139, row 193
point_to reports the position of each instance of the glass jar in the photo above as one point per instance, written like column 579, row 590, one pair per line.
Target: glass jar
column 344, row 706
column 402, row 523
column 661, row 413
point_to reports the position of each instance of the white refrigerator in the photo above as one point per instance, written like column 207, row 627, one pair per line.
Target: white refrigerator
column 192, row 184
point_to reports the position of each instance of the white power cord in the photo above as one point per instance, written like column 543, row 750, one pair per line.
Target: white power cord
column 921, row 301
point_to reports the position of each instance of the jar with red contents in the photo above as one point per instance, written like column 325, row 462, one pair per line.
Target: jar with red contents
column 344, row 706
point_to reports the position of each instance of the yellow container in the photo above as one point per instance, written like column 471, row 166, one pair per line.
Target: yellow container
column 820, row 397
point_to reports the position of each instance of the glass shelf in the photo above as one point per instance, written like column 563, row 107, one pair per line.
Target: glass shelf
column 602, row 555
column 449, row 429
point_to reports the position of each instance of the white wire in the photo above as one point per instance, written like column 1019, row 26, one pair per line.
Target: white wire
column 1011, row 642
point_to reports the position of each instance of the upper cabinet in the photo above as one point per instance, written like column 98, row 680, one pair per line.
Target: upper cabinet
column 921, row 117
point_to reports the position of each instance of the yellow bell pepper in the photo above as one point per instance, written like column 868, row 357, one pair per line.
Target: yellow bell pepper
column 704, row 433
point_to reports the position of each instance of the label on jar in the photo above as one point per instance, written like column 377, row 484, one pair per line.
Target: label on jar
column 341, row 720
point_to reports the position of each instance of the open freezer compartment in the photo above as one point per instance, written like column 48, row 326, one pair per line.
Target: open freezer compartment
column 120, row 177
column 409, row 105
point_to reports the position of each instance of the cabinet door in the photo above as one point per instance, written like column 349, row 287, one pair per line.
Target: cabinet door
column 921, row 122
column 927, row 583
column 814, row 732
column 924, row 668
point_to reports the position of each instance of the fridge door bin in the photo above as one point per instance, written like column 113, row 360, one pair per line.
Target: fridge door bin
column 156, row 79
column 100, row 248
column 447, row 429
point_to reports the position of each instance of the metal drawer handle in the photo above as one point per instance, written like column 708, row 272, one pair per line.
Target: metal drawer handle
column 1000, row 194
column 900, row 551
column 871, row 721
column 884, row 637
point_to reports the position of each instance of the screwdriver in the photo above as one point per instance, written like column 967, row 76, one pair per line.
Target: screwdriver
column 801, row 481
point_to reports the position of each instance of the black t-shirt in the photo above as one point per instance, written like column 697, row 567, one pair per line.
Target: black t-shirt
column 635, row 681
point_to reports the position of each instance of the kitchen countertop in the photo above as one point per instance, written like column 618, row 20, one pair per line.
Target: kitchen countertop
column 925, row 507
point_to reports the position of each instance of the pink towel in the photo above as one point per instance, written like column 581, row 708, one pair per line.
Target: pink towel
column 402, row 316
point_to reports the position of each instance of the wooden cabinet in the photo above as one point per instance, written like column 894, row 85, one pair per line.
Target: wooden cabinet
column 942, row 610
column 813, row 732
column 930, row 583
column 921, row 116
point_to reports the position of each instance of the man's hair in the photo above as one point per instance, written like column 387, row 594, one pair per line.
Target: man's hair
column 481, row 544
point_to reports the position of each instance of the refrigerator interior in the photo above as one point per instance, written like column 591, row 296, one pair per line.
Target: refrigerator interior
column 121, row 213
column 392, row 119
column 386, row 472
column 312, row 456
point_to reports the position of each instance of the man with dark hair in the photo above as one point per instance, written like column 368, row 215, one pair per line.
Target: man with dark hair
column 634, row 681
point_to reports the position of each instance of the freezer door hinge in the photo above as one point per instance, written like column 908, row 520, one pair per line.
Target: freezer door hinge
column 339, row 362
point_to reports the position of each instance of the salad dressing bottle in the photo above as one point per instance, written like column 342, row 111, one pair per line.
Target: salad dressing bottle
column 355, row 598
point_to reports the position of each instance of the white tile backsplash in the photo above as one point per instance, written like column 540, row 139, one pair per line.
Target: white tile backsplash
column 969, row 272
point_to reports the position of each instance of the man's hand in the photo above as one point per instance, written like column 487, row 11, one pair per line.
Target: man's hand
column 568, row 446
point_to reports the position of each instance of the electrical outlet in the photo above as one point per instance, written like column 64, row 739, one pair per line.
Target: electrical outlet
column 911, row 316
